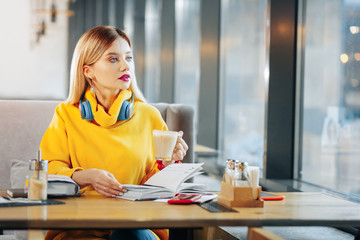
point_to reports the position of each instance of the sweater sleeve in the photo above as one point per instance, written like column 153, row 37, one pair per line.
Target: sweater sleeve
column 55, row 148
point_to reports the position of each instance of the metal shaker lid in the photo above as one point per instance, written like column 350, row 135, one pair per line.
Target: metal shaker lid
column 35, row 165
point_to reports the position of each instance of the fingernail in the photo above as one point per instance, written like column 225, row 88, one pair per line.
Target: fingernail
column 124, row 190
column 121, row 193
column 113, row 195
column 120, row 186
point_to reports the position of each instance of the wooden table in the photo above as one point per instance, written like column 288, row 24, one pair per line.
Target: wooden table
column 298, row 209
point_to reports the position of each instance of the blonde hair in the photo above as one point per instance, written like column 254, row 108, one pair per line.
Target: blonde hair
column 88, row 50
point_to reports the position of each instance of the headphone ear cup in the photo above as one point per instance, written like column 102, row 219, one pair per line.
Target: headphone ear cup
column 125, row 111
column 86, row 111
column 82, row 111
column 130, row 110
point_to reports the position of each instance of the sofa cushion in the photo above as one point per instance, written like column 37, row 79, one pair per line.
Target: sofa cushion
column 180, row 117
column 18, row 173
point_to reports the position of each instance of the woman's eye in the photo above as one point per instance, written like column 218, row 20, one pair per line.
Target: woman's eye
column 113, row 60
column 129, row 58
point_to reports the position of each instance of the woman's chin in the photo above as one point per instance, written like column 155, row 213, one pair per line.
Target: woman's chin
column 124, row 85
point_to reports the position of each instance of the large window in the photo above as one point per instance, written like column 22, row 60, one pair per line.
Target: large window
column 244, row 75
column 331, row 100
column 187, row 52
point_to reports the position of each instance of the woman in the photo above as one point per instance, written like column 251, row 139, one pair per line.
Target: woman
column 101, row 136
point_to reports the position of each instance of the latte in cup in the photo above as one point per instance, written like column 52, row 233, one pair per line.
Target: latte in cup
column 164, row 144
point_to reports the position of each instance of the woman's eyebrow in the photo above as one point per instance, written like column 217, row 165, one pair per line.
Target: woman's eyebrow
column 111, row 53
column 115, row 53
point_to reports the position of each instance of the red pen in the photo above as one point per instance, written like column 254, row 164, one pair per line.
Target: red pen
column 184, row 198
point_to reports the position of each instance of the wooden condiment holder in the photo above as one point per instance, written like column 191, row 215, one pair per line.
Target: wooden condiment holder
column 231, row 196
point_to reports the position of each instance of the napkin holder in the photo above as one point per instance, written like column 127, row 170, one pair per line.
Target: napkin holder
column 231, row 196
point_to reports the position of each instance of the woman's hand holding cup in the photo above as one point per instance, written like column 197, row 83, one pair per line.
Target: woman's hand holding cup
column 169, row 147
column 180, row 148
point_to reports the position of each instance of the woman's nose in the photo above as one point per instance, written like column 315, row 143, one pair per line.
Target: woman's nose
column 124, row 66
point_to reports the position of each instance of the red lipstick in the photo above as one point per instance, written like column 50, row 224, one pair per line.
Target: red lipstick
column 125, row 77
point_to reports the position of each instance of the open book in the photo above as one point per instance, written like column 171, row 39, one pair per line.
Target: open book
column 167, row 183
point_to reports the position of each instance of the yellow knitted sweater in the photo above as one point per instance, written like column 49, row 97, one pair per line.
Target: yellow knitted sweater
column 123, row 148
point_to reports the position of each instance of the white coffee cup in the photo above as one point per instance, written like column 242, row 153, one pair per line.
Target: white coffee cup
column 164, row 144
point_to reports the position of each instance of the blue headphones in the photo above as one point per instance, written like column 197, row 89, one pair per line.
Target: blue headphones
column 126, row 110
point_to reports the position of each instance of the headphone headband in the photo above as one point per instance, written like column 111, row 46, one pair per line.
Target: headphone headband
column 125, row 113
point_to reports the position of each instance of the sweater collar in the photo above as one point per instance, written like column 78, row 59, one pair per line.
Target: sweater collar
column 103, row 118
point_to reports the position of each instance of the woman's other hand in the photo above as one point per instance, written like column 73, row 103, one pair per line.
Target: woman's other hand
column 103, row 182
column 180, row 148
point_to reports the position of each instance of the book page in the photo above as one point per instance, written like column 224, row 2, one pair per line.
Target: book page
column 141, row 192
column 173, row 175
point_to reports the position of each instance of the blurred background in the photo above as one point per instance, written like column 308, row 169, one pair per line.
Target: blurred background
column 274, row 83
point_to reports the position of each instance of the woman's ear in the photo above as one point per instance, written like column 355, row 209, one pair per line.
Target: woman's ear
column 87, row 71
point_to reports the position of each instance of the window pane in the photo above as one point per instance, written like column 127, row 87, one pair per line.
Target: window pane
column 244, row 79
column 152, row 50
column 331, row 105
column 187, row 52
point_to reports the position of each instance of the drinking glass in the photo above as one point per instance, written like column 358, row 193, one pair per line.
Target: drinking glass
column 164, row 144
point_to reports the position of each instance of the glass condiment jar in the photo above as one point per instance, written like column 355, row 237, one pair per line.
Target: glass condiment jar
column 38, row 179
column 240, row 178
column 229, row 171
